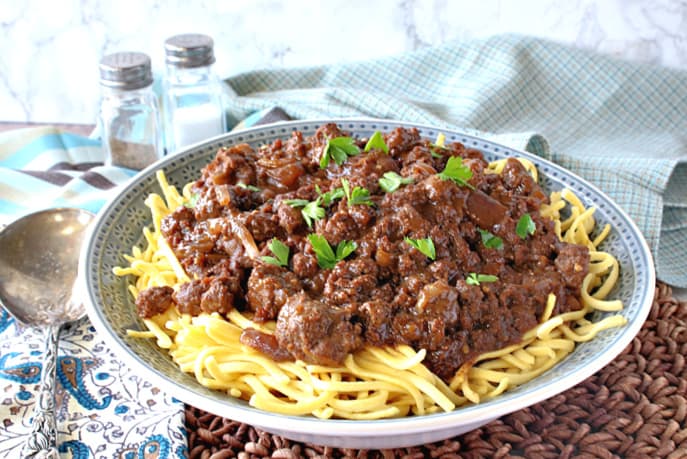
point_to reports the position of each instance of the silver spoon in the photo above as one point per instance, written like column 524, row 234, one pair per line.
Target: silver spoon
column 39, row 256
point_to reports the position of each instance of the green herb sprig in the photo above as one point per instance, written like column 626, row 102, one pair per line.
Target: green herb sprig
column 376, row 140
column 525, row 226
column 457, row 171
column 326, row 257
column 426, row 246
column 330, row 196
column 191, row 203
column 280, row 251
column 296, row 202
column 315, row 210
column 310, row 210
column 356, row 196
column 338, row 149
column 489, row 240
column 477, row 279
column 391, row 181
column 435, row 153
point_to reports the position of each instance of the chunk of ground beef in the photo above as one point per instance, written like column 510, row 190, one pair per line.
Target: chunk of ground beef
column 572, row 262
column 153, row 301
column 269, row 287
column 210, row 294
column 316, row 333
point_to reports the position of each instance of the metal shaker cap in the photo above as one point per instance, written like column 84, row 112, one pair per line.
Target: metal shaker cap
column 126, row 70
column 189, row 50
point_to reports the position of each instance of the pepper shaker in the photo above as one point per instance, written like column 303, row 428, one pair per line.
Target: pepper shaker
column 192, row 93
column 129, row 115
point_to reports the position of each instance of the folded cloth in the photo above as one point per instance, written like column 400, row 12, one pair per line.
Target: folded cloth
column 620, row 125
column 46, row 167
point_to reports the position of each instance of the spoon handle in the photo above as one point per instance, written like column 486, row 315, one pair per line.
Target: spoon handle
column 42, row 439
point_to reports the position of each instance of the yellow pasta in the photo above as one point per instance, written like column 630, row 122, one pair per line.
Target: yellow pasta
column 376, row 382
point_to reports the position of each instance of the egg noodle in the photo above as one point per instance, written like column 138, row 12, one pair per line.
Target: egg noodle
column 376, row 382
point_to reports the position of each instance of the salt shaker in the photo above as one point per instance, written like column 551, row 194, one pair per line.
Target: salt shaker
column 192, row 100
column 130, row 118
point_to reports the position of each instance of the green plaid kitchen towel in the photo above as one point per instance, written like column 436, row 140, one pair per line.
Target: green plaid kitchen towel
column 621, row 125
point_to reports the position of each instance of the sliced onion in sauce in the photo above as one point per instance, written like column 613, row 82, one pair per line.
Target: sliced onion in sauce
column 239, row 231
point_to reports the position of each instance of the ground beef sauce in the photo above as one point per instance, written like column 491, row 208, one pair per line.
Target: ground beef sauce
column 386, row 292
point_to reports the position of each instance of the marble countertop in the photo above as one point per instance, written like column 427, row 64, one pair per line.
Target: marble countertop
column 49, row 51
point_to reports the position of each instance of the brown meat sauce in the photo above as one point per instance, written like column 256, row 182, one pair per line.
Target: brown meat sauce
column 386, row 292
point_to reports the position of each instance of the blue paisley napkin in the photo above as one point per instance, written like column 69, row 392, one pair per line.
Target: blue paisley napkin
column 104, row 410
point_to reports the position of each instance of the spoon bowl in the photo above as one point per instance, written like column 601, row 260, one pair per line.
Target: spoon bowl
column 38, row 265
column 38, row 272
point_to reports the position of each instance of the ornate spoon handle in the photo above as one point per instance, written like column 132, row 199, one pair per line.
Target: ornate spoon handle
column 42, row 439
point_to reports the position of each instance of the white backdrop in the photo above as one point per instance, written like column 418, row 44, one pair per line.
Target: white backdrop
column 49, row 49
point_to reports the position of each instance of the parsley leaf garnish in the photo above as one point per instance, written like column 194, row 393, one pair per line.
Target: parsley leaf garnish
column 338, row 149
column 248, row 187
column 280, row 251
column 477, row 279
column 391, row 181
column 489, row 240
column 458, row 172
column 345, row 248
column 310, row 210
column 376, row 141
column 356, row 196
column 525, row 226
column 426, row 246
column 326, row 258
column 330, row 196
column 191, row 203
column 296, row 202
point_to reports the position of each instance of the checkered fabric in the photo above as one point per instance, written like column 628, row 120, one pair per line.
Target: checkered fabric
column 620, row 125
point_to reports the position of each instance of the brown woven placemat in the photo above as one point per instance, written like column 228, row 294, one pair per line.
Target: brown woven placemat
column 635, row 407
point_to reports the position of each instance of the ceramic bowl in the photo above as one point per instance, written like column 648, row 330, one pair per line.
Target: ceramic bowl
column 112, row 310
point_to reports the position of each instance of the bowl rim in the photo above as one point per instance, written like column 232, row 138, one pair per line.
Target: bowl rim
column 311, row 425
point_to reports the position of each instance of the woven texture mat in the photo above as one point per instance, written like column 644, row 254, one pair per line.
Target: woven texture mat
column 635, row 407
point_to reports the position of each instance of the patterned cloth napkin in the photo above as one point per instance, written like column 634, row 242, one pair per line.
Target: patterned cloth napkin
column 618, row 124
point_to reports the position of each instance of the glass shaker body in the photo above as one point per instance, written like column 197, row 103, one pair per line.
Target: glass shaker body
column 192, row 100
column 130, row 127
column 129, row 119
